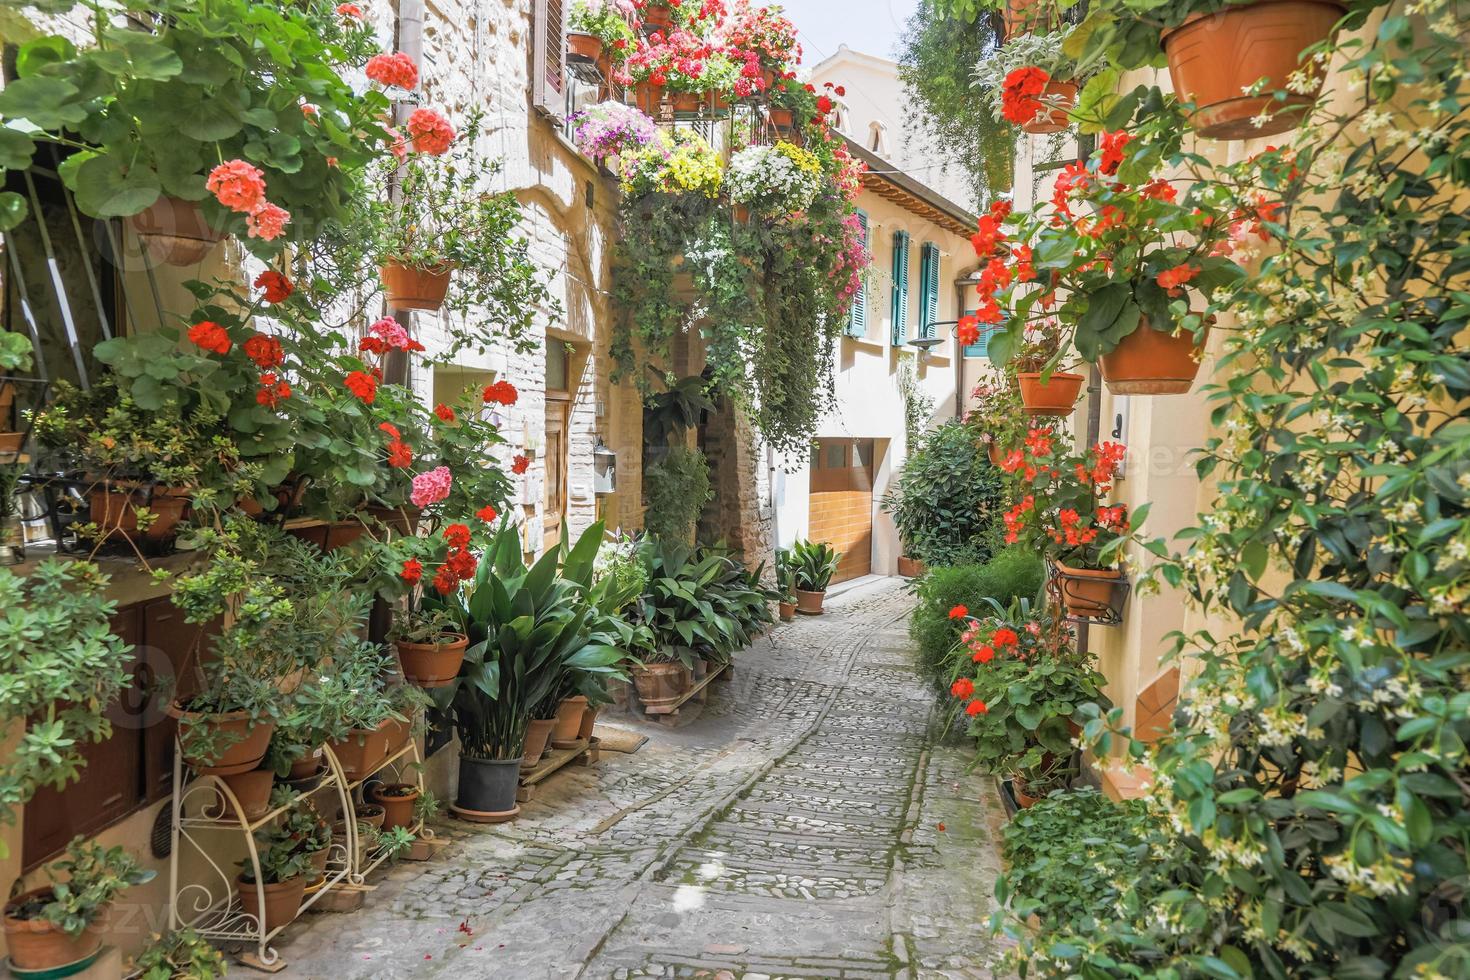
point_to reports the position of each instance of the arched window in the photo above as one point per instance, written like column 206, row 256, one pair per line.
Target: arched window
column 878, row 138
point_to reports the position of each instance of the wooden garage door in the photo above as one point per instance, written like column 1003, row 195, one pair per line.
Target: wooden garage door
column 842, row 502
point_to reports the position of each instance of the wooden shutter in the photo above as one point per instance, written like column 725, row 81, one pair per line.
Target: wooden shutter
column 857, row 316
column 548, row 56
column 900, row 312
column 929, row 288
column 981, row 347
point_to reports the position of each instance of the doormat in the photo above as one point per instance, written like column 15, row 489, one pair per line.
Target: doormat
column 617, row 740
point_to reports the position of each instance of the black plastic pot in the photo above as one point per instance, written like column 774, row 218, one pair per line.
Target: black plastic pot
column 488, row 785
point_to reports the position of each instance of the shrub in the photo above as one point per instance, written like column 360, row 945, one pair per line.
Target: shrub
column 1011, row 574
column 947, row 501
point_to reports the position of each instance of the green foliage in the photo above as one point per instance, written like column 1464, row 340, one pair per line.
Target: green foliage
column 699, row 604
column 62, row 667
column 95, row 877
column 676, row 488
column 940, row 50
column 283, row 856
column 182, row 954
column 1076, row 857
column 813, row 563
column 15, row 351
column 947, row 501
column 1011, row 574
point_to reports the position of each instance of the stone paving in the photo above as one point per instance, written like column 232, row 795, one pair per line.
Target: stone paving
column 806, row 824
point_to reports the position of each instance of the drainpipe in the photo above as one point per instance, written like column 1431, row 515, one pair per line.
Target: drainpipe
column 1086, row 143
column 410, row 42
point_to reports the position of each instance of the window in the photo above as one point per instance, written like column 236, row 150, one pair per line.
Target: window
column 928, row 289
column 857, row 315
column 878, row 138
column 900, row 310
column 548, row 56
column 981, row 347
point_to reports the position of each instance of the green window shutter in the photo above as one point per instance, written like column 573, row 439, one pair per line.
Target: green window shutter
column 857, row 316
column 928, row 288
column 900, row 287
column 981, row 347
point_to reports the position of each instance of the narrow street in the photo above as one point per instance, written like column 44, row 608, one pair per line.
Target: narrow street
column 804, row 825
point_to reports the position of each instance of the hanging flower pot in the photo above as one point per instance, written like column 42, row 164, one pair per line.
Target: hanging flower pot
column 1152, row 362
column 657, row 17
column 719, row 103
column 1056, row 98
column 1054, row 397
column 432, row 664
column 414, row 288
column 1214, row 59
column 584, row 47
column 173, row 231
column 687, row 103
column 647, row 96
column 783, row 119
column 221, row 743
column 1088, row 592
column 1028, row 17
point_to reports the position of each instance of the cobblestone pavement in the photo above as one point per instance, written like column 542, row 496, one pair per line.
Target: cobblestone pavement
column 805, row 824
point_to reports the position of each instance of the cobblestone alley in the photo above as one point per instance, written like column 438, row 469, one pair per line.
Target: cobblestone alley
column 792, row 830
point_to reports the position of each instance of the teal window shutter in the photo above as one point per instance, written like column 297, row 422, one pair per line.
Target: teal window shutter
column 857, row 316
column 981, row 347
column 900, row 287
column 928, row 288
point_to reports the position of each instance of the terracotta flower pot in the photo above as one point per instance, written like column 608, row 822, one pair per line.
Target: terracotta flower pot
column 397, row 733
column 342, row 533
column 1023, row 799
column 538, row 733
column 1057, row 98
column 1088, row 591
column 568, row 722
column 740, row 213
column 397, row 810
column 997, row 455
column 787, row 610
column 809, row 603
column 244, row 741
column 647, row 96
column 253, row 792
column 660, row 684
column 782, row 119
column 10, row 441
column 1028, row 17
column 173, row 231
column 403, row 520
column 282, row 900
column 910, row 567
column 371, row 814
column 36, row 944
column 1215, row 58
column 307, row 765
column 1056, row 397
column 584, row 47
column 432, row 664
column 1152, row 362
column 361, row 752
column 589, row 719
column 688, row 103
column 413, row 288
column 113, row 509
column 657, row 17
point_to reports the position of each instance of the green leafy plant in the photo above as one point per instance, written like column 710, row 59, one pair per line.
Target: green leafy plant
column 786, row 574
column 1044, row 51
column 182, row 954
column 676, row 488
column 1012, row 574
column 946, row 502
column 813, row 565
column 279, row 848
column 699, row 604
column 15, row 351
column 63, row 667
column 95, row 877
column 604, row 21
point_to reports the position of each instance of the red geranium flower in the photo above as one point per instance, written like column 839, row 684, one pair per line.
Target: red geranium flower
column 962, row 688
column 210, row 336
column 393, row 69
column 400, row 454
column 277, row 287
column 457, row 535
column 976, row 708
column 363, row 385
column 487, row 514
column 413, row 570
column 502, row 392
column 959, row 612
column 264, row 351
column 429, row 132
column 983, row 655
column 519, row 464
column 1005, row 637
column 237, row 185
column 444, row 412
column 1019, row 91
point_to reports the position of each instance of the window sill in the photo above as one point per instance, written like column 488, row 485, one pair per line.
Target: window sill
column 869, row 342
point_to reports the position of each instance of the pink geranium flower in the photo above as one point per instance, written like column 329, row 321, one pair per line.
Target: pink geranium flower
column 431, row 487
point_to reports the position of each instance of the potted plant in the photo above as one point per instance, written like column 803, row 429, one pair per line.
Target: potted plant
column 1065, row 514
column 997, row 419
column 182, row 954
column 773, row 180
column 1030, row 81
column 398, row 801
column 814, row 565
column 15, row 355
column 607, row 130
column 786, row 584
column 60, row 924
column 594, row 28
column 946, row 499
column 370, row 718
column 272, row 897
column 430, row 645
column 1046, row 390
column 12, row 536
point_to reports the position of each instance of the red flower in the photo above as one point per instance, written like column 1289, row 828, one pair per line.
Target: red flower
column 1112, row 145
column 445, row 580
column 825, row 105
column 840, row 90
column 413, row 570
column 502, row 392
column 351, row 10
column 267, row 222
column 461, row 563
column 959, row 612
column 400, row 454
column 976, row 708
column 984, row 654
column 210, row 336
column 519, row 464
column 277, row 287
column 1005, row 637
column 264, row 351
column 393, row 69
column 1172, row 279
column 444, row 412
column 391, row 429
column 457, row 536
column 962, row 688
column 237, row 185
column 967, row 331
column 1019, row 91
column 429, row 132
column 363, row 385
column 487, row 514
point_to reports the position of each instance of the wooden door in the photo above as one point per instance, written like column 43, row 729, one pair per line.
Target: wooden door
column 554, row 505
column 842, row 502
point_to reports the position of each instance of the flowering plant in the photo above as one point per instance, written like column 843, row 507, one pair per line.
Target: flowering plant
column 1062, row 507
column 677, row 60
column 240, row 106
column 610, row 21
column 1041, row 54
column 853, row 258
column 776, row 179
column 765, row 33
column 611, row 129
column 679, row 162
column 997, row 418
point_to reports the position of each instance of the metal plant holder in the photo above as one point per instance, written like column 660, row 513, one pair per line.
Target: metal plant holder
column 1066, row 587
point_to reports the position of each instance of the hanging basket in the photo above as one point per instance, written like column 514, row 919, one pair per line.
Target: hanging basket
column 1215, row 58
column 174, row 232
column 1152, row 362
column 1028, row 17
column 413, row 288
column 1095, row 595
column 1055, row 397
column 586, row 48
column 1056, row 98
column 783, row 119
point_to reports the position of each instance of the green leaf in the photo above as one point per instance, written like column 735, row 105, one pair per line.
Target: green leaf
column 13, row 210
column 104, row 189
column 34, row 56
column 44, row 100
column 137, row 55
column 16, row 149
column 1110, row 316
